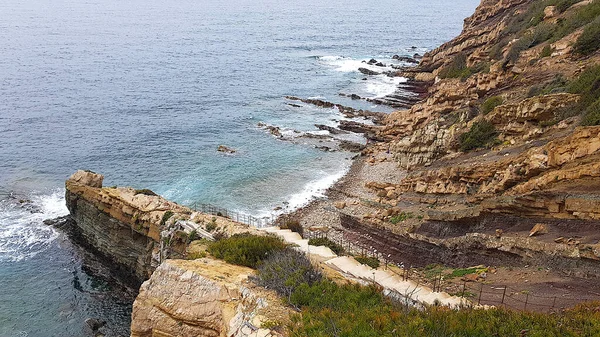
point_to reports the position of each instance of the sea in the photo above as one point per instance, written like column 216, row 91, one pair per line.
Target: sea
column 144, row 92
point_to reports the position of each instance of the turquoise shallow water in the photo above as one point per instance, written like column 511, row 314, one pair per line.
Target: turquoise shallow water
column 144, row 92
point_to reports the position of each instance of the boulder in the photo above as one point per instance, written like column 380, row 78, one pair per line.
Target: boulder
column 87, row 178
column 340, row 205
column 538, row 229
column 368, row 71
column 225, row 149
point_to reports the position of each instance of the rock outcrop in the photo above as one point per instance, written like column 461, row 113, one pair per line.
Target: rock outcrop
column 135, row 229
column 204, row 297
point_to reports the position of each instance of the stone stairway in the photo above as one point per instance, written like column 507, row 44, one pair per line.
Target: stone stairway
column 353, row 269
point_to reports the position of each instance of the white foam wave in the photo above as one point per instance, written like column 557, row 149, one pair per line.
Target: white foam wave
column 22, row 231
column 343, row 64
column 312, row 190
column 381, row 85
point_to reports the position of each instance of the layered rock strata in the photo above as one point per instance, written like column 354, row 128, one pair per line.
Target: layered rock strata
column 204, row 297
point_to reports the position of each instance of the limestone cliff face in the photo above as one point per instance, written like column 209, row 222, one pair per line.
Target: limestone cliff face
column 430, row 129
column 538, row 166
column 203, row 297
column 118, row 223
column 135, row 229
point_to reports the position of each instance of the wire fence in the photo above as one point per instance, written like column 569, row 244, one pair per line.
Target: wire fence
column 235, row 216
column 478, row 293
column 353, row 242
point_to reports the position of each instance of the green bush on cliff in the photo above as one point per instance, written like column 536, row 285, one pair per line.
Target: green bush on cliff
column 293, row 225
column 592, row 115
column 490, row 104
column 588, row 86
column 589, row 41
column 480, row 135
column 329, row 309
column 166, row 216
column 145, row 191
column 339, row 250
column 579, row 18
column 457, row 68
column 246, row 249
column 372, row 262
column 286, row 270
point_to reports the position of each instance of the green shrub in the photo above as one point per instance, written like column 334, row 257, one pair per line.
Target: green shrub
column 166, row 216
column 372, row 262
column 349, row 310
column 294, row 226
column 490, row 104
column 462, row 272
column 546, row 51
column 145, row 191
column 457, row 68
column 592, row 115
column 212, row 225
column 286, row 270
column 541, row 33
column 524, row 43
column 589, row 41
column 192, row 236
column 579, row 18
column 588, row 86
column 401, row 217
column 480, row 135
column 246, row 249
column 339, row 250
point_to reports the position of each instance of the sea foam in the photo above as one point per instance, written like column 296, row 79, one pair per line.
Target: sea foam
column 22, row 231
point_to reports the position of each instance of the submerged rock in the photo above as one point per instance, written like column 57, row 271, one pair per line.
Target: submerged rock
column 225, row 149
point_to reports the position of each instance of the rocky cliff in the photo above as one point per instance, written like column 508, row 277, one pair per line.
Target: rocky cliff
column 136, row 229
column 140, row 233
column 506, row 139
column 204, row 297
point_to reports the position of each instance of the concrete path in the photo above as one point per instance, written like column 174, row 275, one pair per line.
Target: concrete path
column 352, row 268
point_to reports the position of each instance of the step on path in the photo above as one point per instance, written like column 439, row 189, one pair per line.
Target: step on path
column 386, row 279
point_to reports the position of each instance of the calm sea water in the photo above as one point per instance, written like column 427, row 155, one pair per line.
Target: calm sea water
column 144, row 92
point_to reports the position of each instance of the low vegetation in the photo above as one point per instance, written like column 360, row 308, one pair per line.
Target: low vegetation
column 212, row 225
column 401, row 217
column 166, row 216
column 490, row 104
column 589, row 41
column 329, row 309
column 482, row 134
column 246, row 249
column 372, row 262
column 530, row 29
column 546, row 51
column 336, row 248
column 293, row 225
column 457, row 68
column 588, row 86
column 284, row 271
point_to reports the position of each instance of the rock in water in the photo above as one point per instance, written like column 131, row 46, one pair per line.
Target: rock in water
column 225, row 149
column 94, row 324
column 367, row 71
